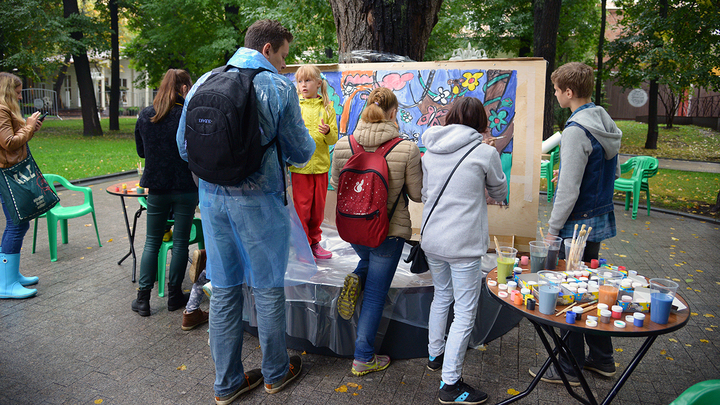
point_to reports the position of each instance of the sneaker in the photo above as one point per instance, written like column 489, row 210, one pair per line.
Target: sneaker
column 435, row 363
column 319, row 252
column 192, row 320
column 349, row 296
column 552, row 376
column 460, row 393
column 608, row 370
column 198, row 264
column 253, row 378
column 207, row 289
column 295, row 369
column 378, row 363
column 167, row 237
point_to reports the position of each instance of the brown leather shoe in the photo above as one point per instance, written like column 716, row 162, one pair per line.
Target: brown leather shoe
column 198, row 264
column 193, row 319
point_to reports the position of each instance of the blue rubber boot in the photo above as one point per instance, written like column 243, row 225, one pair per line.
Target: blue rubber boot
column 25, row 281
column 10, row 286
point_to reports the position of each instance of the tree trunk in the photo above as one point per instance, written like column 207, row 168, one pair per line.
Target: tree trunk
column 600, row 54
column 545, row 30
column 57, row 87
column 231, row 16
column 401, row 27
column 114, row 67
column 652, row 135
column 716, row 207
column 91, row 121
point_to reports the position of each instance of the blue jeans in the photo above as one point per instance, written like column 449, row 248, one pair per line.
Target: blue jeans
column 226, row 335
column 158, row 208
column 376, row 270
column 459, row 282
column 13, row 235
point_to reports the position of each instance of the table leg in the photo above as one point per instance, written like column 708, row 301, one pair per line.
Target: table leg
column 630, row 368
column 560, row 343
column 131, row 236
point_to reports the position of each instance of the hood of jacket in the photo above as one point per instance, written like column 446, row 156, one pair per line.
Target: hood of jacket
column 450, row 138
column 250, row 59
column 602, row 127
column 376, row 133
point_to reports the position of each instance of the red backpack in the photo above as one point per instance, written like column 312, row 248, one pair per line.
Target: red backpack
column 362, row 194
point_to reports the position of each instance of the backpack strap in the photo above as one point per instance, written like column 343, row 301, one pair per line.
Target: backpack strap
column 388, row 146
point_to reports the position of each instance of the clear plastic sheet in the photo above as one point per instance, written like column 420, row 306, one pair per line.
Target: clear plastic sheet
column 311, row 304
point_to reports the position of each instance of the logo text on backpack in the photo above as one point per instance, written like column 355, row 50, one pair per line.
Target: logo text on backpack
column 359, row 186
column 205, row 121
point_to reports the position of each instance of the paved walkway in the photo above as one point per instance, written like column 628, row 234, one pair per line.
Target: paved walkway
column 78, row 342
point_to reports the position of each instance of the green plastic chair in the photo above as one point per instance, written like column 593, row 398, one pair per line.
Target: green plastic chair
column 643, row 168
column 546, row 171
column 196, row 236
column 702, row 393
column 61, row 214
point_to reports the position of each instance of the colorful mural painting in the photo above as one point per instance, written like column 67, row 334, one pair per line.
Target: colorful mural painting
column 425, row 96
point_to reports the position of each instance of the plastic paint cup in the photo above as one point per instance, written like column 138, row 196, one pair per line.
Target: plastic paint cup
column 578, row 312
column 594, row 264
column 639, row 319
column 661, row 298
column 600, row 308
column 554, row 243
column 502, row 287
column 511, row 285
column 505, row 262
column 570, row 317
column 502, row 294
column 625, row 302
column 492, row 283
column 609, row 281
column 605, row 315
column 518, row 299
column 524, row 260
column 530, row 304
column 592, row 318
column 619, row 324
column 538, row 255
column 550, row 277
column 548, row 298
column 617, row 311
column 629, row 319
column 590, row 323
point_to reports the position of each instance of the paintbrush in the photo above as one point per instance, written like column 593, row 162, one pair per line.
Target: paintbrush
column 497, row 245
column 541, row 234
column 566, row 309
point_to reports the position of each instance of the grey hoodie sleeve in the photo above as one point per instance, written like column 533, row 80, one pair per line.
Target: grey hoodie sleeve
column 495, row 180
column 575, row 148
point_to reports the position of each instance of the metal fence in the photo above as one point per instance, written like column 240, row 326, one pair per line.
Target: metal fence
column 705, row 107
column 43, row 100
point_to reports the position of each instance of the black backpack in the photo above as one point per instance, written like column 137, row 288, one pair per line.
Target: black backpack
column 222, row 129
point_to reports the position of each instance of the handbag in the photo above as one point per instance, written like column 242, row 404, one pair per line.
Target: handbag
column 25, row 191
column 417, row 255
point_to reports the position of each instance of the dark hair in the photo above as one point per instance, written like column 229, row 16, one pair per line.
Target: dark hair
column 262, row 32
column 575, row 76
column 468, row 111
column 170, row 88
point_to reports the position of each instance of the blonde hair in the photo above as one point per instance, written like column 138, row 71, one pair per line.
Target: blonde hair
column 379, row 103
column 311, row 72
column 575, row 76
column 8, row 97
column 170, row 89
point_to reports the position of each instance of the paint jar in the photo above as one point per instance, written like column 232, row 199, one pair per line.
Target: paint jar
column 617, row 311
column 511, row 285
column 532, row 285
column 524, row 260
column 518, row 298
column 629, row 319
column 590, row 323
column 619, row 324
column 605, row 315
column 600, row 308
column 530, row 304
column 570, row 317
column 625, row 302
column 492, row 283
column 632, row 272
column 639, row 319
column 526, row 294
column 502, row 294
column 591, row 318
column 578, row 312
column 502, row 287
column 636, row 285
column 609, row 286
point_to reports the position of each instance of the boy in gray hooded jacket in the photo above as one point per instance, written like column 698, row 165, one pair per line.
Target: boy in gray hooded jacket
column 588, row 167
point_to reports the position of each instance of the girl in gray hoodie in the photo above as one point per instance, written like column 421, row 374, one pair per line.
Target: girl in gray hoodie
column 455, row 236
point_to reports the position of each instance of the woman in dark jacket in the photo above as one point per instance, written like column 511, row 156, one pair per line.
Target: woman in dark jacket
column 170, row 186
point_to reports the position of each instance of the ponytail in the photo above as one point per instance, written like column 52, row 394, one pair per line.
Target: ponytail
column 379, row 103
column 170, row 89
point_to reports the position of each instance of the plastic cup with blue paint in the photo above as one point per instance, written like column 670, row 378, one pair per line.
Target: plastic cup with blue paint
column 661, row 297
column 548, row 298
column 538, row 255
column 554, row 243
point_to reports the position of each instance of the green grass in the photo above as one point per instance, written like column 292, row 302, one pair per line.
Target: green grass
column 680, row 191
column 687, row 142
column 61, row 148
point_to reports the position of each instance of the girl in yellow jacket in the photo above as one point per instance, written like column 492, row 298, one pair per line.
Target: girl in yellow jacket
column 310, row 182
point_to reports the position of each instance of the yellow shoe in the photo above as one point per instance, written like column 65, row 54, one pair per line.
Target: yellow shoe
column 168, row 236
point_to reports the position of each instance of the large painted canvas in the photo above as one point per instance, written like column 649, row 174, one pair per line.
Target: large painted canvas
column 426, row 90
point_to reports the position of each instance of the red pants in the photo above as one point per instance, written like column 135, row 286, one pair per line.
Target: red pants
column 309, row 194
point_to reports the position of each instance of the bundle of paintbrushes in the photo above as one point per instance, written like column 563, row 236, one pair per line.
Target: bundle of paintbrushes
column 577, row 247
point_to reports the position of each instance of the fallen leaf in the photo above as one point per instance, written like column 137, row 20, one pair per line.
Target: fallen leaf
column 513, row 391
column 304, row 353
column 88, row 224
column 697, row 291
column 693, row 313
column 619, row 350
column 674, row 238
column 688, row 345
column 89, row 247
column 699, row 271
column 709, row 316
column 352, row 384
column 673, row 340
column 663, row 352
column 688, row 280
column 110, row 240
column 355, row 393
column 341, row 388
column 98, row 401
column 704, row 341
column 710, row 329
column 182, row 368
column 670, row 358
column 675, row 279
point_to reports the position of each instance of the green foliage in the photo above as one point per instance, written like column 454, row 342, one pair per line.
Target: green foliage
column 451, row 32
column 199, row 35
column 678, row 50
column 680, row 142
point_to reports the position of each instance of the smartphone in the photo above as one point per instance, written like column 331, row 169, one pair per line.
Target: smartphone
column 42, row 117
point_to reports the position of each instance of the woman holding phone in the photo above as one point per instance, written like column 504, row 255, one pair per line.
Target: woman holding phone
column 15, row 132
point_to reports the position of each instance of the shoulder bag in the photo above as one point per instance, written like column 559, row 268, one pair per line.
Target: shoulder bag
column 25, row 191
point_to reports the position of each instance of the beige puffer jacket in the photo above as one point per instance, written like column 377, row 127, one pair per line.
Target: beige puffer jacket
column 403, row 165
